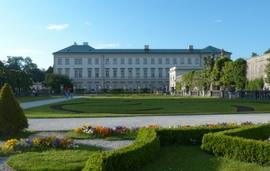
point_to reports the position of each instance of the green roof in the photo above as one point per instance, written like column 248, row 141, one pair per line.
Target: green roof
column 90, row 50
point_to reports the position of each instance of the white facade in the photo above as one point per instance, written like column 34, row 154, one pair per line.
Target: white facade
column 176, row 73
column 128, row 69
column 256, row 68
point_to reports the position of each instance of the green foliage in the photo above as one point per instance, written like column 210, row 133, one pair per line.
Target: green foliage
column 256, row 84
column 54, row 81
column 12, row 118
column 133, row 157
column 234, row 74
column 268, row 51
column 188, row 135
column 243, row 144
column 217, row 72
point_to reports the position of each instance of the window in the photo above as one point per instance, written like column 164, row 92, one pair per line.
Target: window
column 167, row 71
column 67, row 61
column 152, row 61
column 122, row 72
column 78, row 73
column 89, row 72
column 89, row 61
column 197, row 61
column 107, row 61
column 167, row 60
column 97, row 72
column 160, row 61
column 122, row 61
column 107, row 72
column 115, row 61
column 59, row 61
column 174, row 60
column 137, row 72
column 78, row 61
column 182, row 60
column 114, row 72
column 153, row 72
column 130, row 72
column 67, row 70
column 189, row 60
column 96, row 61
column 137, row 61
column 145, row 70
column 160, row 72
column 59, row 71
column 130, row 61
column 145, row 61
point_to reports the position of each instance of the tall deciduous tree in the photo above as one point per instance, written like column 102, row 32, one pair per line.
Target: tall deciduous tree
column 55, row 81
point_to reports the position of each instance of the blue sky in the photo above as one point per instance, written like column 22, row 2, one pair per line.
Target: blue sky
column 37, row 28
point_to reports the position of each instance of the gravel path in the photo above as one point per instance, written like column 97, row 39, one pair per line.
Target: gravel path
column 27, row 105
column 165, row 121
column 3, row 165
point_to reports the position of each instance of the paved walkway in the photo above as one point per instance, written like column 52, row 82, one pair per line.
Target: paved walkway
column 165, row 121
column 27, row 105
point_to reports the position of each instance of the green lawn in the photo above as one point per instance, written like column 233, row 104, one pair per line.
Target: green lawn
column 56, row 160
column 192, row 158
column 101, row 106
column 33, row 98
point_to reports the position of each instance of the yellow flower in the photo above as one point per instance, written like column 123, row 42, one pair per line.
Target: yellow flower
column 9, row 145
column 36, row 141
column 78, row 130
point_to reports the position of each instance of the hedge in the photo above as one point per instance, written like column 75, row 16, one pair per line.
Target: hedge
column 132, row 157
column 237, row 144
column 146, row 147
column 188, row 135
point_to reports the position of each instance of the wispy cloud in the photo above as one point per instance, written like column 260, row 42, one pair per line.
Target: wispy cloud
column 57, row 27
column 88, row 23
column 106, row 45
column 218, row 21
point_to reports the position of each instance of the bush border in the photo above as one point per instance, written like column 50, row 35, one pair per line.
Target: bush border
column 237, row 144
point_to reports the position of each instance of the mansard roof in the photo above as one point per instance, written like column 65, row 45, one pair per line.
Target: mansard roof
column 90, row 50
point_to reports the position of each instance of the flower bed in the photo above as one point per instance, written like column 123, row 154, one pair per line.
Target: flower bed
column 89, row 132
column 244, row 144
column 38, row 143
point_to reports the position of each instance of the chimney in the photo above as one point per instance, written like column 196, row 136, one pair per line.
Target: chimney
column 146, row 47
column 85, row 43
column 190, row 47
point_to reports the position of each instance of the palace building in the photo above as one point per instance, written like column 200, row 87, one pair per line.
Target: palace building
column 126, row 69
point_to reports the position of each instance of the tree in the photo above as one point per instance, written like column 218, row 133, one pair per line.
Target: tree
column 256, row 84
column 254, row 54
column 12, row 118
column 55, row 81
column 240, row 70
column 15, row 62
column 268, row 51
column 218, row 70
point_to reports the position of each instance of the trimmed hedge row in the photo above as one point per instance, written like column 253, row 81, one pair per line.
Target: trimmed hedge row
column 132, row 157
column 188, row 135
column 146, row 147
column 228, row 144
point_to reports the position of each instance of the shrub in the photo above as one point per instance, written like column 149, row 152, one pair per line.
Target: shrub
column 189, row 135
column 228, row 144
column 12, row 118
column 132, row 157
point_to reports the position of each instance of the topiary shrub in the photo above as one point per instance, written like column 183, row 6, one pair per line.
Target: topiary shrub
column 244, row 144
column 132, row 157
column 12, row 118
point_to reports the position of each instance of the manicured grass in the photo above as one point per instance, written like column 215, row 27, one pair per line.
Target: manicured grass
column 56, row 160
column 33, row 98
column 127, row 136
column 192, row 158
column 102, row 106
